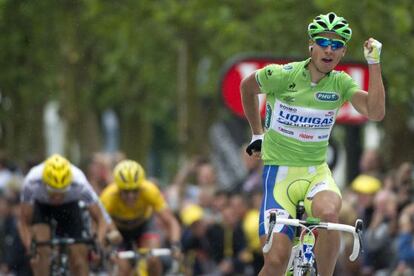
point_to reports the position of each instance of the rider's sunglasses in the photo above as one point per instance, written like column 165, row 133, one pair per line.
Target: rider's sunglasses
column 127, row 192
column 325, row 42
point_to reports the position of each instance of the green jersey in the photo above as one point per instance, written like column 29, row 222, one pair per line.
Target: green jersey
column 299, row 114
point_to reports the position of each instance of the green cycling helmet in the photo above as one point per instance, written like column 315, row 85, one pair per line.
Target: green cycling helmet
column 330, row 23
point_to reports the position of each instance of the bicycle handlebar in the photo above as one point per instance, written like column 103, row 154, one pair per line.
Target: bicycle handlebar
column 64, row 241
column 354, row 230
column 59, row 242
column 131, row 254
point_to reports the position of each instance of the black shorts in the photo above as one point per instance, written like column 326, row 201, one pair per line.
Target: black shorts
column 133, row 237
column 68, row 217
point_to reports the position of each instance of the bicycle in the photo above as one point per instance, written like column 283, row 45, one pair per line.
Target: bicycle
column 141, row 254
column 60, row 252
column 302, row 260
column 59, row 264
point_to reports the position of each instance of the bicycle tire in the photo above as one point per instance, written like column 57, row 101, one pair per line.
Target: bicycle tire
column 310, row 272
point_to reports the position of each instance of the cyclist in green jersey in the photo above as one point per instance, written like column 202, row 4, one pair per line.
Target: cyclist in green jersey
column 302, row 101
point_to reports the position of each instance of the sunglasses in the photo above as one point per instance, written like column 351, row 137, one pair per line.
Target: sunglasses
column 127, row 192
column 325, row 42
column 51, row 190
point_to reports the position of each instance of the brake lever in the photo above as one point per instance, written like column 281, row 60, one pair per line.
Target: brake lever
column 269, row 240
column 358, row 230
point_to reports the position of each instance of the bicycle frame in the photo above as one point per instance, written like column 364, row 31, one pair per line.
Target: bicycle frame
column 302, row 257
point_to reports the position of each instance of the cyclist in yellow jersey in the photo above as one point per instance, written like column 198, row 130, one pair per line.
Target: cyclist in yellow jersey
column 132, row 201
column 302, row 101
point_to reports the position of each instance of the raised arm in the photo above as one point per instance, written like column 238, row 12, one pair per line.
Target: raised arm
column 372, row 104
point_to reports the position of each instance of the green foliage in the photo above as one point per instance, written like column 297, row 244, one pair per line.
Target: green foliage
column 95, row 54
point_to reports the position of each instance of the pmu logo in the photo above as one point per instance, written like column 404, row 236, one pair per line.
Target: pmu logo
column 327, row 96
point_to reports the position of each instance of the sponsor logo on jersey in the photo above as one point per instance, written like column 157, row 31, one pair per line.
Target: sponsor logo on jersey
column 269, row 73
column 284, row 130
column 327, row 96
column 289, row 99
column 288, row 108
column 304, row 124
column 288, row 116
column 292, row 87
column 304, row 121
column 306, row 136
column 268, row 116
column 321, row 186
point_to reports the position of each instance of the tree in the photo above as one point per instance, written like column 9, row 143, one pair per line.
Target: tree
column 158, row 64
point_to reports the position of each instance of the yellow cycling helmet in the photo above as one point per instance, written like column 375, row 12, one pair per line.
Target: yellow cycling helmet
column 366, row 184
column 129, row 175
column 57, row 172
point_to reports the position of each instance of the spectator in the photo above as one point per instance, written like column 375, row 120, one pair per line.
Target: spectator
column 406, row 242
column 389, row 182
column 195, row 182
column 344, row 266
column 365, row 187
column 228, row 246
column 99, row 171
column 220, row 201
column 6, row 174
column 404, row 184
column 379, row 236
column 195, row 244
column 251, row 230
column 13, row 259
column 371, row 163
column 253, row 179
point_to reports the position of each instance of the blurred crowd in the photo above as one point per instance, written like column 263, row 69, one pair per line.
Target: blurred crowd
column 220, row 226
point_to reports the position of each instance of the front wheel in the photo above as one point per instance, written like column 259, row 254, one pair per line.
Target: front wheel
column 309, row 272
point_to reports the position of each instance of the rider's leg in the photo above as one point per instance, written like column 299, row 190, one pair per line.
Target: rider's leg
column 326, row 206
column 276, row 260
column 78, row 259
column 124, row 267
column 41, row 263
column 154, row 264
column 71, row 224
column 276, row 182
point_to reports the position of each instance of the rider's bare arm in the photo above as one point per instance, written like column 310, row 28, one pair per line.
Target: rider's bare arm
column 249, row 90
column 174, row 230
column 371, row 104
column 113, row 235
column 26, row 213
column 97, row 216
